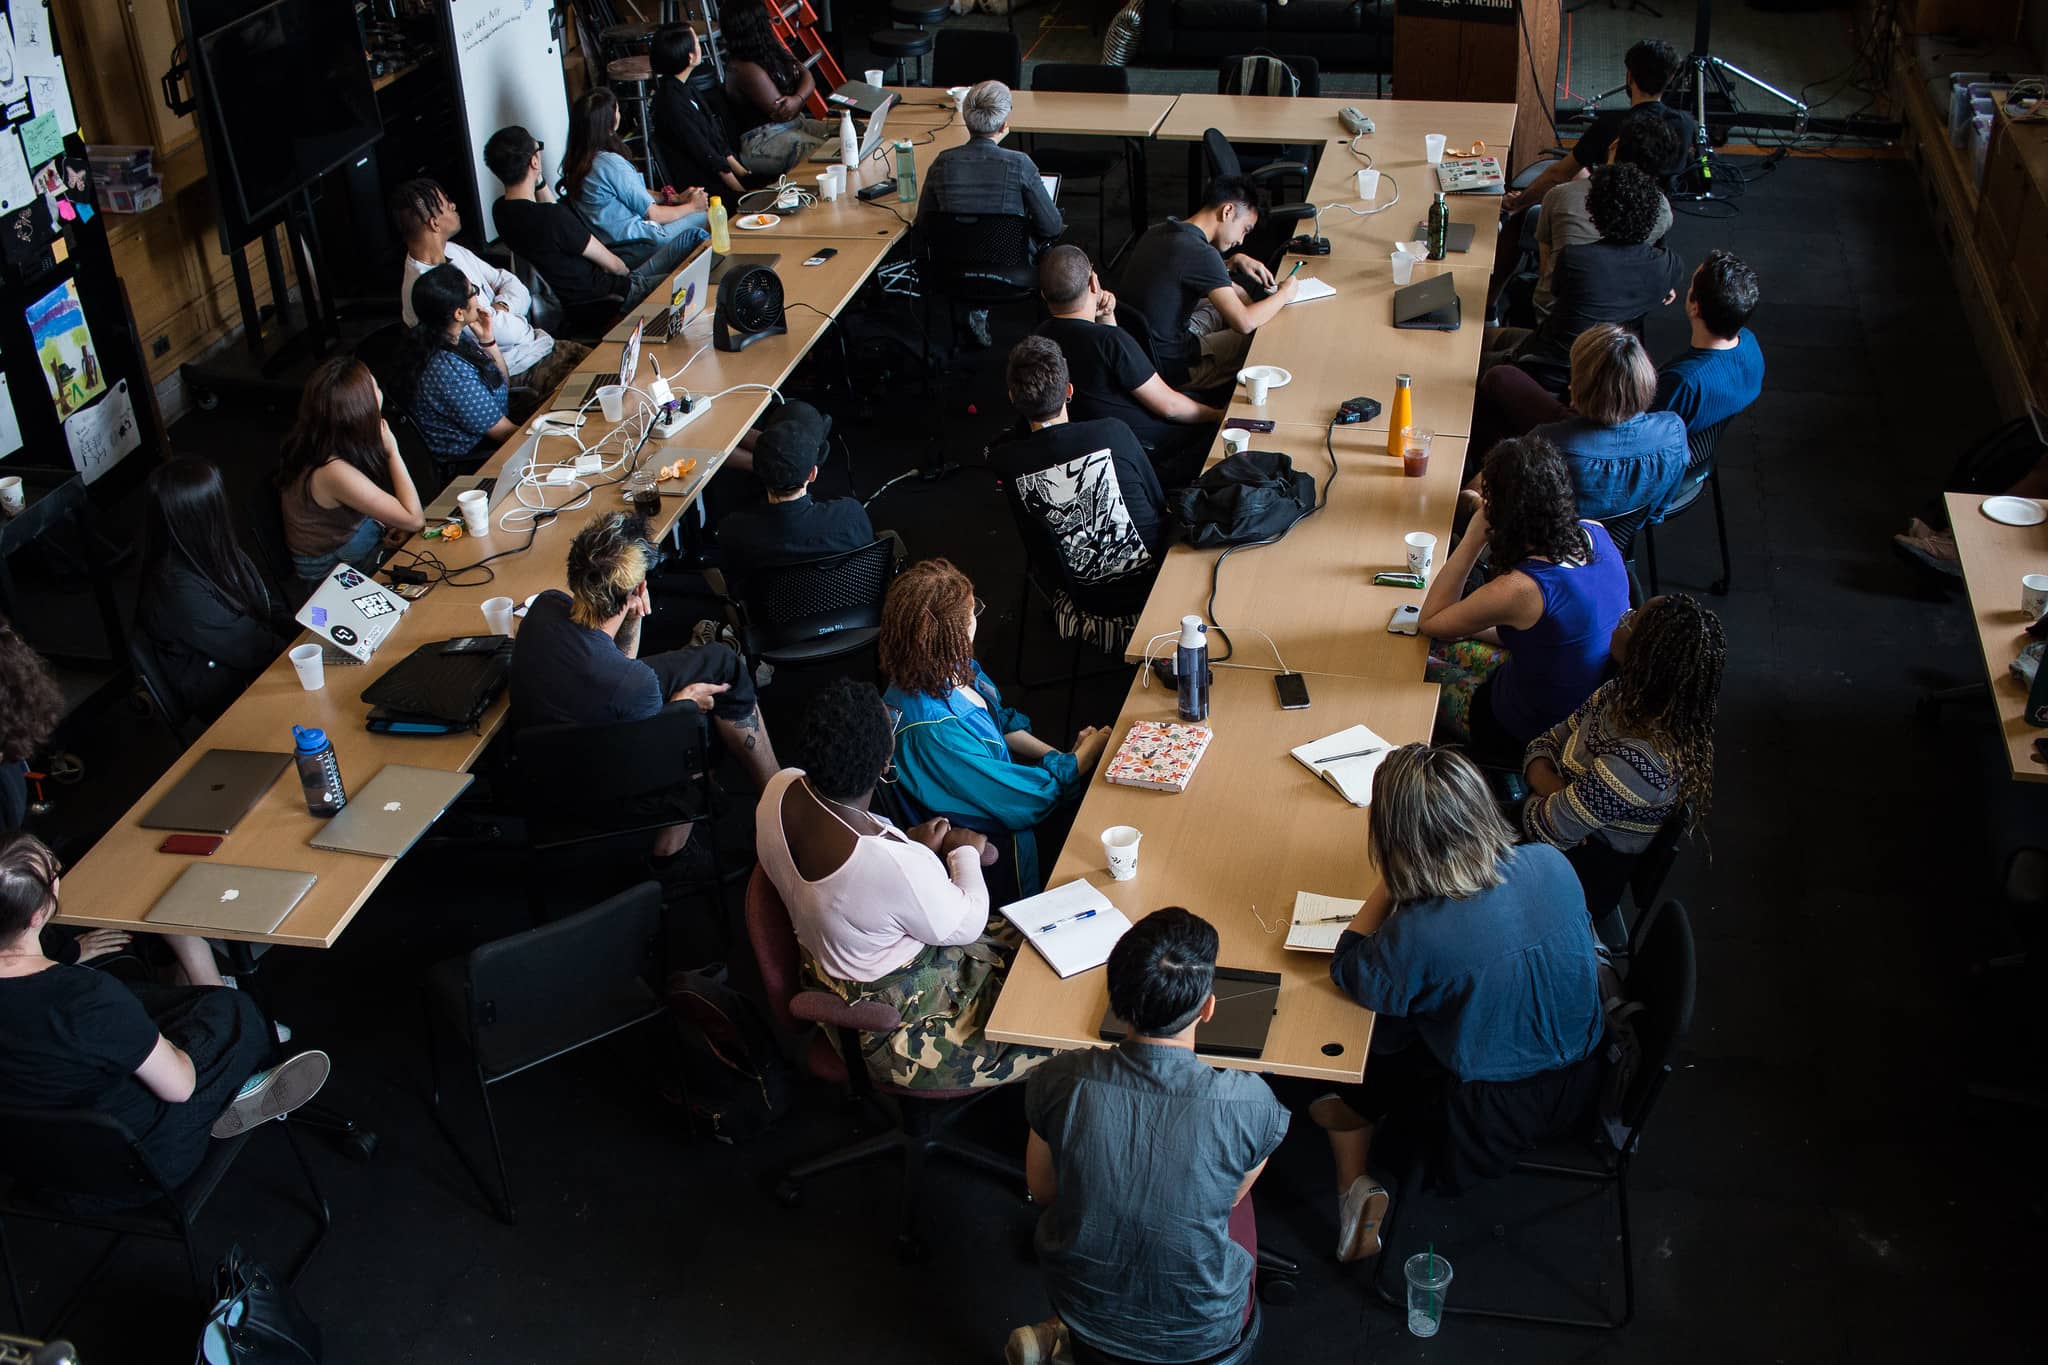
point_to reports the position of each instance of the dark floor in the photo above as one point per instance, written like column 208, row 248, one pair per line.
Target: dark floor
column 1819, row 1185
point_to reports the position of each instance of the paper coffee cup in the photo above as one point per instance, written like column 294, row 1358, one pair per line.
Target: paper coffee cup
column 12, row 496
column 828, row 186
column 1258, row 384
column 1237, row 440
column 1433, row 148
column 1120, row 847
column 611, row 400
column 311, row 662
column 1368, row 184
column 1421, row 552
column 498, row 614
column 476, row 511
column 2034, row 595
column 873, row 75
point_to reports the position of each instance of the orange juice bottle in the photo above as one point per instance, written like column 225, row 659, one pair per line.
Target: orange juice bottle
column 1403, row 415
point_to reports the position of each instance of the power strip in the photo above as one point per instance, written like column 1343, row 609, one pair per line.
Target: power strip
column 689, row 410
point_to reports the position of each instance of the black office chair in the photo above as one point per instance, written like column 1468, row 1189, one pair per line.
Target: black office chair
column 545, row 310
column 1101, row 615
column 980, row 260
column 156, row 686
column 1623, row 528
column 263, row 517
column 1072, row 161
column 50, row 1154
column 815, row 609
column 380, row 352
column 543, row 994
column 968, row 56
column 1282, row 189
column 1663, row 977
column 1270, row 75
column 430, row 472
column 1702, row 470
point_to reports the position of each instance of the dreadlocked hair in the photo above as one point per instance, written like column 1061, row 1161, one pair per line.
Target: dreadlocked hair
column 1669, row 686
column 925, row 646
column 1531, row 510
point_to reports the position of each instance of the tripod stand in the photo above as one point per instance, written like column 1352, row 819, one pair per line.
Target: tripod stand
column 1693, row 78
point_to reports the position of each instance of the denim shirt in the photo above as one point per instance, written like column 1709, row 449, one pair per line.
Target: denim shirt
column 1637, row 463
column 1500, row 986
column 614, row 202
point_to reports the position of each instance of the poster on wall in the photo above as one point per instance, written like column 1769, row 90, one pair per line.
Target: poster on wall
column 36, row 59
column 10, row 425
column 13, row 82
column 101, row 434
column 65, row 350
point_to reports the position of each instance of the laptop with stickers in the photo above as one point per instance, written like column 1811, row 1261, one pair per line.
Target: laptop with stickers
column 352, row 611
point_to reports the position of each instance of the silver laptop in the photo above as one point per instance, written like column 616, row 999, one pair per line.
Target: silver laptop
column 501, row 484
column 218, row 791
column 388, row 815
column 870, row 139
column 860, row 97
column 240, row 900
column 689, row 291
column 1052, row 185
column 352, row 611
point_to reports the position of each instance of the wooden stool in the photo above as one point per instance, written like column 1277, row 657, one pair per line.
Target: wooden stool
column 897, row 46
column 630, row 78
column 625, row 40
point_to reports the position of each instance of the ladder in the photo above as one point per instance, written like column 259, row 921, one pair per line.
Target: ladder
column 796, row 23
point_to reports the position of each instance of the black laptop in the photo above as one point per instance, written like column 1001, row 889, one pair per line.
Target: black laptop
column 1245, row 1003
column 1429, row 305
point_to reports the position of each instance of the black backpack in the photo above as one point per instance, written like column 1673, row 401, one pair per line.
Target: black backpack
column 1251, row 497
column 735, row 1082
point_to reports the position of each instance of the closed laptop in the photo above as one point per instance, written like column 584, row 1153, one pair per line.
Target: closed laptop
column 392, row 810
column 218, row 791
column 1245, row 1003
column 230, row 899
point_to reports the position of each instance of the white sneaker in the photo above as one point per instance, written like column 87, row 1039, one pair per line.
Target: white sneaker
column 1039, row 1343
column 1360, row 1211
column 274, row 1092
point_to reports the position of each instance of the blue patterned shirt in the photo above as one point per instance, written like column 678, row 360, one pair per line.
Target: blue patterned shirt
column 456, row 406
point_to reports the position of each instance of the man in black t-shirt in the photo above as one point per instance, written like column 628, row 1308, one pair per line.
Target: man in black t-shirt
column 1112, row 376
column 791, row 525
column 1649, row 66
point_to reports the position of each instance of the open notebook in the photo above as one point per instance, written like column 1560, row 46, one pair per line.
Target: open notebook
column 1319, row 921
column 1351, row 776
column 1072, row 926
column 1308, row 288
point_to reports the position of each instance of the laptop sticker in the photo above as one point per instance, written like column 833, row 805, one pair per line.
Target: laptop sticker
column 348, row 578
column 372, row 605
column 319, row 616
column 344, row 636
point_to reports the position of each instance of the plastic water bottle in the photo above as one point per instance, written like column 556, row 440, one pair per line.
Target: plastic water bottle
column 319, row 772
column 1439, row 227
column 1191, row 668
column 721, row 235
column 906, row 172
column 849, row 148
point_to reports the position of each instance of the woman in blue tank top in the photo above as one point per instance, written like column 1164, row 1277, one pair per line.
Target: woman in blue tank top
column 1520, row 652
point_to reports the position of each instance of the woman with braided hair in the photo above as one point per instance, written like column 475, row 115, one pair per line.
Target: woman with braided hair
column 960, row 752
column 1638, row 753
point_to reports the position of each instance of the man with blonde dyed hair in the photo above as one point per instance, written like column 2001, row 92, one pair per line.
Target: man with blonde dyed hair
column 982, row 176
column 576, row 659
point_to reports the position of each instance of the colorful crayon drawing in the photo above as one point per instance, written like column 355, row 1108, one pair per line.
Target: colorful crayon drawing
column 64, row 349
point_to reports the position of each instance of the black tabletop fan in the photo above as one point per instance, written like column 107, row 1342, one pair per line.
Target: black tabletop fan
column 749, row 308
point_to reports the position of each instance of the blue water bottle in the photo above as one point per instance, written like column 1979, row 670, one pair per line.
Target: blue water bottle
column 319, row 771
column 1191, row 668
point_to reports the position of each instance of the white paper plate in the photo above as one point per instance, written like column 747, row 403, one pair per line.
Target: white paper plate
column 1275, row 377
column 756, row 222
column 2013, row 511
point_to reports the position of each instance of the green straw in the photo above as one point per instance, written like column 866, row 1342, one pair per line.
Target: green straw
column 1432, row 1262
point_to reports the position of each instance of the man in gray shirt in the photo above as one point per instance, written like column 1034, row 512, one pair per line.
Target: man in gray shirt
column 982, row 176
column 1143, row 1158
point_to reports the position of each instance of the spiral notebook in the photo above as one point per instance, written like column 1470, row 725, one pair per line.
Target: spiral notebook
column 1319, row 921
column 1347, row 761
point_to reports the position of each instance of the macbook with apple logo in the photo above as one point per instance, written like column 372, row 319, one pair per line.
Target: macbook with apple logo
column 392, row 811
column 223, row 898
column 217, row 791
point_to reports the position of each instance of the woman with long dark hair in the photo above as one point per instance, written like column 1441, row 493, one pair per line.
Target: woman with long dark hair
column 205, row 609
column 766, row 88
column 341, row 482
column 452, row 375
column 688, row 137
column 612, row 195
column 1519, row 652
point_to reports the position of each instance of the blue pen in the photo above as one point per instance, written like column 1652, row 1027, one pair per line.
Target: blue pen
column 1070, row 919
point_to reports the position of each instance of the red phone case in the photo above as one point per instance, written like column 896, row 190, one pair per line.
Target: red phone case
column 201, row 845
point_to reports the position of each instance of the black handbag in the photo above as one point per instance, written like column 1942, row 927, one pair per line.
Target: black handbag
column 255, row 1321
column 1255, row 495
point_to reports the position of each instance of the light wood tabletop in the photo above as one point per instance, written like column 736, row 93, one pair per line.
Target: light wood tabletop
column 1399, row 125
column 1073, row 112
column 1289, row 832
column 1995, row 557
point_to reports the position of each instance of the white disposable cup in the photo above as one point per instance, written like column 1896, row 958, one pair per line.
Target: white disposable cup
column 476, row 511
column 1421, row 552
column 12, row 498
column 873, row 75
column 1237, row 440
column 611, row 399
column 839, row 178
column 311, row 662
column 1120, row 847
column 828, row 186
column 1368, row 184
column 1258, row 384
column 498, row 614
column 2034, row 595
column 959, row 94
column 1433, row 148
column 1404, row 267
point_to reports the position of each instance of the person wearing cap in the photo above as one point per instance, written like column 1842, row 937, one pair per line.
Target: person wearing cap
column 982, row 176
column 790, row 525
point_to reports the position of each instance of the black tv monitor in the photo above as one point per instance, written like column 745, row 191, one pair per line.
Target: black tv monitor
column 291, row 98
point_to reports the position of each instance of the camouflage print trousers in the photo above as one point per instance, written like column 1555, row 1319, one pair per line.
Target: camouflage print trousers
column 945, row 996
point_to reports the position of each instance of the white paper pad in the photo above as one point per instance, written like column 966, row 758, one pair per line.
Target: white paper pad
column 1352, row 777
column 1069, row 945
column 1317, row 926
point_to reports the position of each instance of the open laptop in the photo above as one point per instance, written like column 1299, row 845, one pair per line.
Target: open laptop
column 1052, row 185
column 862, row 98
column 870, row 139
column 391, row 812
column 629, row 366
column 352, row 611
column 1245, row 1003
column 688, row 293
column 1429, row 305
column 236, row 900
column 218, row 791
column 499, row 485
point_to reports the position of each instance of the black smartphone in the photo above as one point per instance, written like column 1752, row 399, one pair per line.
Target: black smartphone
column 1293, row 690
column 1258, row 424
column 823, row 256
column 877, row 190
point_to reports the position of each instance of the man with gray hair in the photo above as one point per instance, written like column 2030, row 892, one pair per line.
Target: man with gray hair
column 982, row 176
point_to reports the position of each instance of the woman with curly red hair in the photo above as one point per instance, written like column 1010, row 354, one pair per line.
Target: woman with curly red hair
column 960, row 752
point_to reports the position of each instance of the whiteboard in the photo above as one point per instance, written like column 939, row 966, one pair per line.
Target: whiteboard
column 509, row 69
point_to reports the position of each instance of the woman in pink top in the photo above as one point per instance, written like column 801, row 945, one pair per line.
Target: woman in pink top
column 899, row 916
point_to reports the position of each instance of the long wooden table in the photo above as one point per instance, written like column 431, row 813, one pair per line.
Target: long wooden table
column 1994, row 558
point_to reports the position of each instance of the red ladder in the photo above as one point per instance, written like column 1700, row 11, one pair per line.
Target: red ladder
column 796, row 23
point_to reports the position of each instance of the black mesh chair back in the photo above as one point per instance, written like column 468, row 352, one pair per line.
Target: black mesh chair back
column 817, row 608
column 1623, row 528
column 968, row 56
column 264, row 520
column 550, row 990
column 77, row 1152
column 981, row 257
column 149, row 666
column 1663, row 975
column 1653, row 864
column 545, row 311
column 1700, row 448
column 430, row 473
column 380, row 350
column 559, row 772
column 1271, row 80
